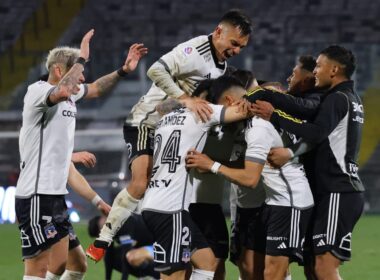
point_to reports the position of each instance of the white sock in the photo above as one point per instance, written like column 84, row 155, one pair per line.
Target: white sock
column 122, row 208
column 27, row 277
column 52, row 276
column 200, row 274
column 72, row 275
column 288, row 277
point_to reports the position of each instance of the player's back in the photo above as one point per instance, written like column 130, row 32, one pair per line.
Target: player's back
column 170, row 187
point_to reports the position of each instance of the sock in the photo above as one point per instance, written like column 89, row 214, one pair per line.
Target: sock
column 288, row 277
column 122, row 208
column 27, row 277
column 72, row 275
column 52, row 276
column 199, row 274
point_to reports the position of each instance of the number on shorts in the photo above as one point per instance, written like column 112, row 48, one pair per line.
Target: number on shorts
column 185, row 236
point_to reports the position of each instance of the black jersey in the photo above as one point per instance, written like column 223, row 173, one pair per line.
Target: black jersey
column 337, row 131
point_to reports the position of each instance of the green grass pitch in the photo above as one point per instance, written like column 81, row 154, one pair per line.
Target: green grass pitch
column 365, row 264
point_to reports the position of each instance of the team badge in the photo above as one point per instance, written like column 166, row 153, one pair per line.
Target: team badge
column 188, row 50
column 186, row 255
column 50, row 231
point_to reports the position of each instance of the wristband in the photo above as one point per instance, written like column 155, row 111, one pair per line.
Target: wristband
column 291, row 153
column 121, row 72
column 80, row 60
column 95, row 201
column 215, row 167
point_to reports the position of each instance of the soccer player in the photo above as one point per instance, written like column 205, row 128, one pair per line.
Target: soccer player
column 337, row 132
column 288, row 196
column 174, row 75
column 46, row 143
column 166, row 202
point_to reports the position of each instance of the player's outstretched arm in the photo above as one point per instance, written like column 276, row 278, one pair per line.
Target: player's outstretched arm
column 106, row 83
column 69, row 84
column 197, row 105
column 80, row 185
column 248, row 176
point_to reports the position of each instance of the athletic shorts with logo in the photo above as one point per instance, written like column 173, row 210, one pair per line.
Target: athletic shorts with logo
column 176, row 237
column 246, row 232
column 43, row 221
column 211, row 221
column 139, row 140
column 284, row 229
column 335, row 217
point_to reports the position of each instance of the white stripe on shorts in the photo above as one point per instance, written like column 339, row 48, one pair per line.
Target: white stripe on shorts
column 332, row 221
column 295, row 228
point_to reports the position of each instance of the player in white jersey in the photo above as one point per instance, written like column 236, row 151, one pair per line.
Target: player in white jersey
column 46, row 143
column 166, row 202
column 174, row 75
column 288, row 196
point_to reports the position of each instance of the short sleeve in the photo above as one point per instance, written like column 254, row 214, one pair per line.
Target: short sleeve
column 259, row 143
column 217, row 115
column 38, row 94
column 83, row 89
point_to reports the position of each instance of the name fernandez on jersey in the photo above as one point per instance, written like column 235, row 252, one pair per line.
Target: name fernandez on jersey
column 171, row 182
column 172, row 120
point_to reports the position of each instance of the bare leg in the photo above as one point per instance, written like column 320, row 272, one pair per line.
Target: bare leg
column 275, row 267
column 327, row 267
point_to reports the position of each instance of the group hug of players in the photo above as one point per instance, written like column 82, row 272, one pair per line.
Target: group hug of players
column 291, row 158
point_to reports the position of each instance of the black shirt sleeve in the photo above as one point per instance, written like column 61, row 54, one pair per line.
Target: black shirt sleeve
column 332, row 111
column 299, row 107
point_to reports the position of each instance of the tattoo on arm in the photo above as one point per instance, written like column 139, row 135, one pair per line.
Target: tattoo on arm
column 105, row 83
column 67, row 85
column 168, row 106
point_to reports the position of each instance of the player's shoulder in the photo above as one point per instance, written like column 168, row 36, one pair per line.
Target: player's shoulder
column 39, row 85
column 258, row 122
column 192, row 46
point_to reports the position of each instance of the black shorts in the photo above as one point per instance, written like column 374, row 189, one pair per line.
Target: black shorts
column 285, row 229
column 246, row 232
column 211, row 221
column 335, row 217
column 73, row 238
column 139, row 140
column 43, row 221
column 176, row 237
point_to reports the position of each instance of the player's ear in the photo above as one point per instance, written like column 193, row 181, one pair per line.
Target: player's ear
column 218, row 31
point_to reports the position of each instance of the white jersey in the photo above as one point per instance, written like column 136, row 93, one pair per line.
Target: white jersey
column 171, row 185
column 287, row 186
column 188, row 64
column 46, row 141
column 208, row 187
column 242, row 196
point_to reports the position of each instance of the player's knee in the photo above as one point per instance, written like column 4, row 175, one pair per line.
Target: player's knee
column 323, row 266
column 82, row 264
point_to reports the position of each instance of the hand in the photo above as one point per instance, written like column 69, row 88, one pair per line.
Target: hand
column 195, row 159
column 277, row 157
column 86, row 158
column 104, row 207
column 262, row 109
column 136, row 52
column 85, row 45
column 137, row 257
column 243, row 105
column 199, row 106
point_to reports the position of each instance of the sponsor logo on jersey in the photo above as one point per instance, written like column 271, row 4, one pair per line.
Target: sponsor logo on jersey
column 188, row 50
column 277, row 238
column 68, row 113
column 50, row 231
column 282, row 246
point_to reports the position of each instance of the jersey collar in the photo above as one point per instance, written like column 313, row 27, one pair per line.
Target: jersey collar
column 220, row 65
